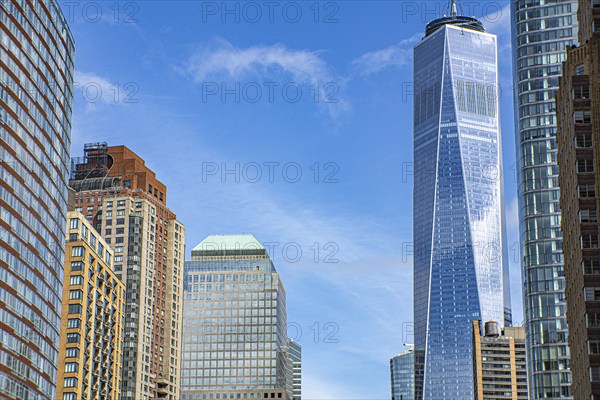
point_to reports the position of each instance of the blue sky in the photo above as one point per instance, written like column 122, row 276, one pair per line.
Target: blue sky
column 323, row 90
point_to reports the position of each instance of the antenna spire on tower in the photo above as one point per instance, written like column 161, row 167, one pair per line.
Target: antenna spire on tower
column 453, row 12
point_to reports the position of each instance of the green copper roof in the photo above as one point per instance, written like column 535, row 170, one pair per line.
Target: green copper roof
column 229, row 242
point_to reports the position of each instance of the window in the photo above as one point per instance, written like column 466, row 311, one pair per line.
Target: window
column 74, row 308
column 69, row 396
column 70, row 382
column 119, row 240
column 595, row 374
column 76, row 280
column 120, row 221
column 73, row 323
column 127, row 184
column 108, row 232
column 118, row 249
column 588, row 216
column 580, row 70
column 75, row 294
column 581, row 92
column 76, row 265
column 585, row 165
column 583, row 140
column 71, row 367
column 592, row 320
column 77, row 251
column 594, row 346
column 119, row 267
column 119, row 231
column 118, row 258
column 121, row 212
column 73, row 337
column 108, row 222
column 582, row 117
column 109, row 204
column 589, row 241
column 72, row 352
column 591, row 293
column 121, row 203
column 587, row 191
column 74, row 223
column 591, row 267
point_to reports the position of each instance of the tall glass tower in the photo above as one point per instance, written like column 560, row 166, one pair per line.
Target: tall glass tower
column 460, row 272
column 541, row 31
column 36, row 93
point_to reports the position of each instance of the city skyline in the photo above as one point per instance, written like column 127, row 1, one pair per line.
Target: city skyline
column 304, row 212
column 348, row 213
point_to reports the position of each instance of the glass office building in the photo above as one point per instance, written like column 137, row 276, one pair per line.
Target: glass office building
column 36, row 93
column 541, row 31
column 234, row 329
column 402, row 372
column 460, row 269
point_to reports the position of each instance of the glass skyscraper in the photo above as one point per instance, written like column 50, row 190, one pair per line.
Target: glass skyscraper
column 36, row 93
column 460, row 271
column 234, row 329
column 402, row 376
column 541, row 31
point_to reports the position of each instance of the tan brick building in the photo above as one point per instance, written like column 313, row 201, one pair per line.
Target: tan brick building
column 125, row 201
column 91, row 327
column 499, row 365
column 578, row 137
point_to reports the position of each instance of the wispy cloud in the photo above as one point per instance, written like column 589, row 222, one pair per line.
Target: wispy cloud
column 397, row 55
column 94, row 89
column 276, row 63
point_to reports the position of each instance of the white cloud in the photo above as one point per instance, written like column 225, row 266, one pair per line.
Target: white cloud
column 94, row 89
column 274, row 63
column 397, row 55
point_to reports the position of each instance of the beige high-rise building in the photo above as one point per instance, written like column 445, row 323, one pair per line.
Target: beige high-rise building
column 499, row 365
column 93, row 304
column 125, row 201
column 578, row 137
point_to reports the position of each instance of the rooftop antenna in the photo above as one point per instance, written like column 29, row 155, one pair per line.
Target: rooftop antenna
column 453, row 11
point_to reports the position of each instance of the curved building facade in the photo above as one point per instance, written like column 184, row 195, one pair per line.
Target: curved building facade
column 36, row 91
column 541, row 32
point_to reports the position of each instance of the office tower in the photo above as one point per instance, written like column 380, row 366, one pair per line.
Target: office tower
column 460, row 270
column 541, row 31
column 402, row 371
column 127, row 204
column 578, row 137
column 499, row 364
column 235, row 322
column 295, row 365
column 36, row 93
column 91, row 331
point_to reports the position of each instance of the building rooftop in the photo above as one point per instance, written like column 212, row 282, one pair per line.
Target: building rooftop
column 454, row 19
column 229, row 242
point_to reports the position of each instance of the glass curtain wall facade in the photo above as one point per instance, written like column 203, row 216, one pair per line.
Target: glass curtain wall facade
column 234, row 330
column 36, row 93
column 402, row 371
column 541, row 31
column 460, row 272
